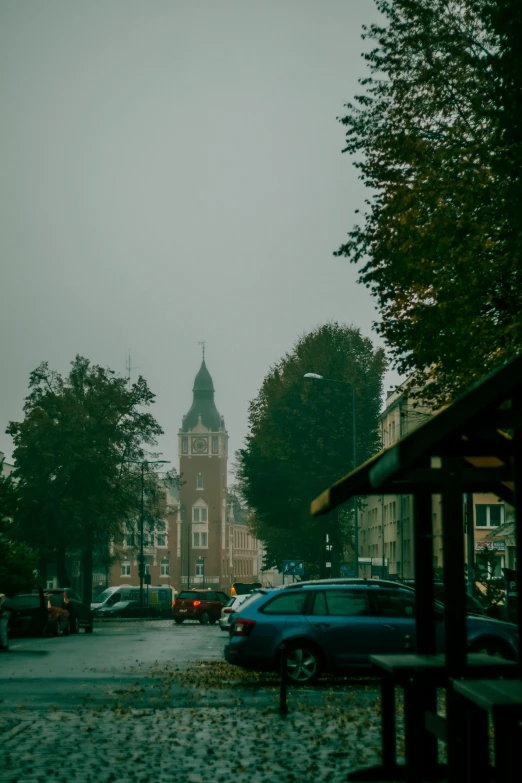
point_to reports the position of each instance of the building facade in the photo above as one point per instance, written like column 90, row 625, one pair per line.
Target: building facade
column 204, row 540
column 386, row 521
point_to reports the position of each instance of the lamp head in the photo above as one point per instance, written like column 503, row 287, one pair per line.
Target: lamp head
column 314, row 376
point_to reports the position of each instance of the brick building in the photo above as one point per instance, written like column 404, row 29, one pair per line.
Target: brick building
column 204, row 539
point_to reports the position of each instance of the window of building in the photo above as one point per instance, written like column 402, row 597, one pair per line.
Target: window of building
column 148, row 539
column 199, row 481
column 125, row 568
column 204, row 539
column 160, row 525
column 164, row 568
column 200, row 514
column 129, row 540
column 195, row 539
column 147, row 569
column 184, row 445
column 161, row 539
column 215, row 444
column 488, row 515
column 200, row 567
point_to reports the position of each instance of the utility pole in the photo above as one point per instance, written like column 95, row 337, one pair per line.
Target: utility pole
column 141, row 562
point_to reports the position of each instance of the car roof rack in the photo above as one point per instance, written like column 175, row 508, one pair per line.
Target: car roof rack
column 349, row 581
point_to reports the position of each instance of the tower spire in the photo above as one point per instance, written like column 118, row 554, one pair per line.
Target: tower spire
column 203, row 346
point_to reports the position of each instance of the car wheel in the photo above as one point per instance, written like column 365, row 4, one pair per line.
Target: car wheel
column 302, row 664
column 178, row 620
column 66, row 628
column 205, row 618
column 74, row 624
column 89, row 628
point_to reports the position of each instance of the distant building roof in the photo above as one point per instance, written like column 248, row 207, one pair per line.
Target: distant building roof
column 203, row 404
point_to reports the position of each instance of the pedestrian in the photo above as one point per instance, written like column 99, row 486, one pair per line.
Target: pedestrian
column 4, row 618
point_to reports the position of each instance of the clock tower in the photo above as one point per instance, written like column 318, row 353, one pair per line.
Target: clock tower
column 206, row 546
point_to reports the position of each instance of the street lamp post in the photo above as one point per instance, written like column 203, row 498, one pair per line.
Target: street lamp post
column 143, row 462
column 315, row 377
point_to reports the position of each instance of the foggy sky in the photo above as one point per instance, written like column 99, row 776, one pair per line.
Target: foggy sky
column 171, row 172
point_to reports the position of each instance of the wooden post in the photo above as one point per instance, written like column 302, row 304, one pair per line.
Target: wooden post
column 283, row 704
column 424, row 589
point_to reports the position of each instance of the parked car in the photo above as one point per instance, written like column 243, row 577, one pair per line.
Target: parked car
column 202, row 605
column 335, row 627
column 120, row 609
column 473, row 606
column 80, row 614
column 28, row 614
column 157, row 600
column 58, row 622
column 244, row 588
column 230, row 610
column 35, row 614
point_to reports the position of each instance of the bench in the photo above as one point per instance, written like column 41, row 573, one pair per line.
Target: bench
column 420, row 676
column 503, row 701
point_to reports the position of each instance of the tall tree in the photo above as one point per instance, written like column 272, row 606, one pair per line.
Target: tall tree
column 300, row 440
column 17, row 560
column 72, row 452
column 430, row 139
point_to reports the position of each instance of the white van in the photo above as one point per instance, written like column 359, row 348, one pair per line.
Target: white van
column 156, row 598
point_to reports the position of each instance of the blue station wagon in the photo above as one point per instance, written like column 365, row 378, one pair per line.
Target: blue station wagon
column 335, row 626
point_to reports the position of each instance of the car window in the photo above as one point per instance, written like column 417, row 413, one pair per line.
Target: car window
column 394, row 603
column 56, row 600
column 289, row 603
column 210, row 597
column 348, row 603
column 101, row 597
column 73, row 595
column 222, row 597
column 319, row 606
column 114, row 599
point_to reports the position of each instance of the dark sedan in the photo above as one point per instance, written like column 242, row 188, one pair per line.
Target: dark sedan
column 80, row 614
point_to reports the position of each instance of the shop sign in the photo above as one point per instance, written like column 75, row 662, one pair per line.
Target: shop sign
column 497, row 546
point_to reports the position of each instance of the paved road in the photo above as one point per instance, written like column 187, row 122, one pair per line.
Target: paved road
column 65, row 671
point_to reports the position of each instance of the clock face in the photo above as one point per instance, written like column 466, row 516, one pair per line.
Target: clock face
column 200, row 445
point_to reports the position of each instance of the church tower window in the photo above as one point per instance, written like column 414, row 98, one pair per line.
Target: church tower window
column 184, row 445
column 215, row 444
column 199, row 481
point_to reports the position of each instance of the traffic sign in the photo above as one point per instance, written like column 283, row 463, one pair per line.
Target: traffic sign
column 293, row 567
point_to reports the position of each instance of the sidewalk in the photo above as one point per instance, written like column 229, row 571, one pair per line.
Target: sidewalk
column 326, row 733
column 194, row 745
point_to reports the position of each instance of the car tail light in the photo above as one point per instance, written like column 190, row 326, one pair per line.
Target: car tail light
column 227, row 611
column 174, row 602
column 65, row 599
column 196, row 603
column 243, row 627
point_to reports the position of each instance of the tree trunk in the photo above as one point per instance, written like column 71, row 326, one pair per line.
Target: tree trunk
column 61, row 568
column 42, row 568
column 87, row 573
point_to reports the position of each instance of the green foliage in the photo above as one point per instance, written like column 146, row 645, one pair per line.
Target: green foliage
column 300, row 441
column 17, row 560
column 437, row 138
column 71, row 450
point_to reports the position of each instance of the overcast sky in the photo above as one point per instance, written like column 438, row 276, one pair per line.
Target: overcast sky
column 170, row 172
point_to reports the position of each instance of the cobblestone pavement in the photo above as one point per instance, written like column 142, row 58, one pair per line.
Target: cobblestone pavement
column 177, row 719
column 193, row 745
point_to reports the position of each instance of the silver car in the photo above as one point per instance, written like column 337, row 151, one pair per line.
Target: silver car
column 228, row 611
